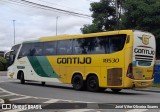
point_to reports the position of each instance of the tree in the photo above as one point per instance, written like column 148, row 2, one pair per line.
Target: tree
column 3, row 63
column 104, row 16
column 142, row 15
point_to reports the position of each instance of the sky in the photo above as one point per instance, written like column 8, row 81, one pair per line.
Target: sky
column 33, row 22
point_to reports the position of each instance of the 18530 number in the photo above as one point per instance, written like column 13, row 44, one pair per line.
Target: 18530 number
column 111, row 60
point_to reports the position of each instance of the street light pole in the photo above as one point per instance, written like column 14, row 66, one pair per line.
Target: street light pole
column 14, row 30
column 56, row 24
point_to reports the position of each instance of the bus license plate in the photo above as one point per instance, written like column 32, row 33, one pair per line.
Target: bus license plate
column 143, row 83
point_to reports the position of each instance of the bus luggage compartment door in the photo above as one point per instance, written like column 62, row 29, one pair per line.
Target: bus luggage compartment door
column 114, row 77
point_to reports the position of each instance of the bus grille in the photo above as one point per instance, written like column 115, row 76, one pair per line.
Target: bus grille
column 144, row 60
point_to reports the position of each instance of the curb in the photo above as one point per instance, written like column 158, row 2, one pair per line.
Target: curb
column 148, row 90
column 1, row 101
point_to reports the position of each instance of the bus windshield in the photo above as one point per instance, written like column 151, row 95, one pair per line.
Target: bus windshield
column 12, row 54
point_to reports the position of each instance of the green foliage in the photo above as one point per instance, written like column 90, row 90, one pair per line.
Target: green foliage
column 136, row 14
column 3, row 63
column 143, row 15
column 104, row 17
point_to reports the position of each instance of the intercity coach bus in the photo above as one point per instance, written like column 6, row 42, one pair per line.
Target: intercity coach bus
column 116, row 60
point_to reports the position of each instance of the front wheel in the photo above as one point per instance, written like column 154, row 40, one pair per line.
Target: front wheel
column 22, row 80
column 43, row 83
column 116, row 90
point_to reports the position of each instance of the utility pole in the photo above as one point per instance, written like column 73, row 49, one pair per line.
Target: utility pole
column 56, row 24
column 14, row 30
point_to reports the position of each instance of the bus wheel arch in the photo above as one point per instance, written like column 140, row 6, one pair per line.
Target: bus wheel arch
column 77, row 81
column 92, row 82
column 115, row 90
column 20, row 76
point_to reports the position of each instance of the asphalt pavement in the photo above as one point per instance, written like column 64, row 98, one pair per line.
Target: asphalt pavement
column 149, row 89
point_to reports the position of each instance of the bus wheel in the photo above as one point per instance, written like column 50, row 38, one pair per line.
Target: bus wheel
column 92, row 83
column 43, row 83
column 77, row 82
column 22, row 78
column 116, row 90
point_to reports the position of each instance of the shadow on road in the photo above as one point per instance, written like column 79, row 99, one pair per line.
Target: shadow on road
column 69, row 87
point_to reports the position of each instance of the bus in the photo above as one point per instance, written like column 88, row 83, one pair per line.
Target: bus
column 117, row 60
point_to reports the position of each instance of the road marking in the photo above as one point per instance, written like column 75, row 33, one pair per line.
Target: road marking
column 7, row 95
column 52, row 101
column 1, row 101
column 1, row 92
column 137, row 110
column 80, row 110
column 20, row 98
column 15, row 110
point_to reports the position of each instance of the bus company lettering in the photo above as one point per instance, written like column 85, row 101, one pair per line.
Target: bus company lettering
column 144, row 51
column 74, row 60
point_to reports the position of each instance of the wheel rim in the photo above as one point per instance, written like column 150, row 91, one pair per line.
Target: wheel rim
column 93, row 84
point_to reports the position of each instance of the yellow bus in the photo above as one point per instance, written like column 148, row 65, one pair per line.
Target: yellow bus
column 116, row 60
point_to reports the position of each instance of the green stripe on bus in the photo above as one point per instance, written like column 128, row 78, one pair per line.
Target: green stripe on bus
column 42, row 66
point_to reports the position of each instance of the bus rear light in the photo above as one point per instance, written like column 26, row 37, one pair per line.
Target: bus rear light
column 130, row 71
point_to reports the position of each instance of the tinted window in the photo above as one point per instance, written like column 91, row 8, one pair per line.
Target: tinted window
column 93, row 45
column 49, row 48
column 79, row 46
column 15, row 49
column 116, row 43
column 12, row 54
column 37, row 49
column 25, row 50
column 99, row 45
column 64, row 47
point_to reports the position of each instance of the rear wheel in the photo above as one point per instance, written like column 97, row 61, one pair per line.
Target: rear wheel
column 116, row 90
column 92, row 83
column 22, row 80
column 77, row 82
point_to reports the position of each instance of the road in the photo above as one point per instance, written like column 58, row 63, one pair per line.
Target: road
column 34, row 92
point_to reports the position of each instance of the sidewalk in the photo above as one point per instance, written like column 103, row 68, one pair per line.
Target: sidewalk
column 3, row 73
column 150, row 89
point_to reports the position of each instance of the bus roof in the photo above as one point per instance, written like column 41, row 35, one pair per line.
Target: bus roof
column 62, row 37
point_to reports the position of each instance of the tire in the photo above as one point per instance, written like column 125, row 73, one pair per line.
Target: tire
column 116, row 90
column 43, row 83
column 22, row 81
column 93, row 84
column 77, row 82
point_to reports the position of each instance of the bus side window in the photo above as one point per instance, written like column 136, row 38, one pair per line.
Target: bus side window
column 25, row 50
column 64, row 47
column 79, row 46
column 50, row 48
column 116, row 42
column 37, row 49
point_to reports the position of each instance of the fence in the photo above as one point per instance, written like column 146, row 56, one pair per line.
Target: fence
column 157, row 73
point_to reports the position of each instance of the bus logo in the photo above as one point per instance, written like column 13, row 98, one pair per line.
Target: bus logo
column 145, row 39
